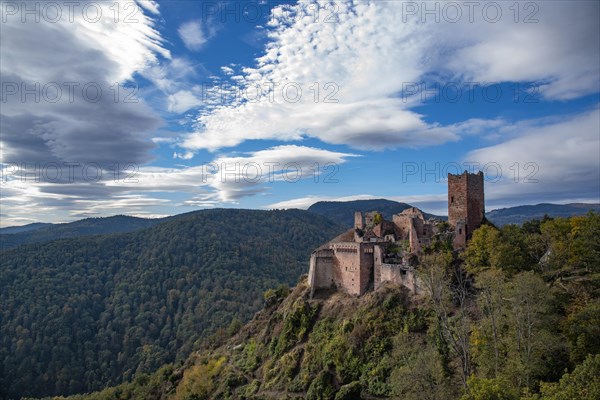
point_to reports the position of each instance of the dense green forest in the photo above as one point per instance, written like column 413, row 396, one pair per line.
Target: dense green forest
column 79, row 314
column 515, row 316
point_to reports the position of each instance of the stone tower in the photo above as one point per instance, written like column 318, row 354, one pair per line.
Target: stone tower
column 465, row 204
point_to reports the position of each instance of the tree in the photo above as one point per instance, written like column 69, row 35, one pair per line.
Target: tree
column 479, row 255
column 582, row 384
column 418, row 373
column 529, row 340
column 582, row 328
column 488, row 389
column 505, row 249
column 488, row 343
column 436, row 272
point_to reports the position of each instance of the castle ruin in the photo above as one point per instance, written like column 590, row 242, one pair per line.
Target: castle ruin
column 375, row 250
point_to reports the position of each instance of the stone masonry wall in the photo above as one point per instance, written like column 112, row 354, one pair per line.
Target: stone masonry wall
column 466, row 200
column 320, row 273
column 366, row 261
column 475, row 202
column 346, row 267
column 457, row 198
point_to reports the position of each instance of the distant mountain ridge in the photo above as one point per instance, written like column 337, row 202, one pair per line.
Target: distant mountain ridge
column 520, row 214
column 39, row 232
column 23, row 228
column 342, row 212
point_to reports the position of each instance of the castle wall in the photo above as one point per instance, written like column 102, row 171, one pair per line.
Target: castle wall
column 460, row 235
column 352, row 266
column 383, row 228
column 410, row 280
column 320, row 273
column 391, row 273
column 377, row 261
column 411, row 225
column 367, row 265
column 416, row 226
column 346, row 267
column 402, row 223
column 397, row 274
column 371, row 216
column 355, row 261
column 457, row 198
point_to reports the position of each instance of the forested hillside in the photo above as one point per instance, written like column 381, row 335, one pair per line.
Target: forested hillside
column 23, row 228
column 79, row 314
column 39, row 233
column 516, row 316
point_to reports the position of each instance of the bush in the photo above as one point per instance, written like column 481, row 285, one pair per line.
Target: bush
column 350, row 391
column 321, row 387
column 583, row 383
column 295, row 326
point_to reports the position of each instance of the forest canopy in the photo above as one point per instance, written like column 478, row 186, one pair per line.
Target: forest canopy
column 81, row 314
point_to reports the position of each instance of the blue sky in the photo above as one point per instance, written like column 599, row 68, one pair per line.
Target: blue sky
column 157, row 108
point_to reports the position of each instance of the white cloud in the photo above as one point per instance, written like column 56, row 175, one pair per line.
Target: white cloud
column 549, row 160
column 193, row 35
column 175, row 83
column 241, row 176
column 184, row 156
column 227, row 70
column 559, row 51
column 182, row 101
column 129, row 46
column 305, row 202
column 69, row 122
column 369, row 55
column 227, row 179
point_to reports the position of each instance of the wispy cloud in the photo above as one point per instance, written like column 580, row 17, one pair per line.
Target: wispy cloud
column 84, row 111
column 227, row 179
